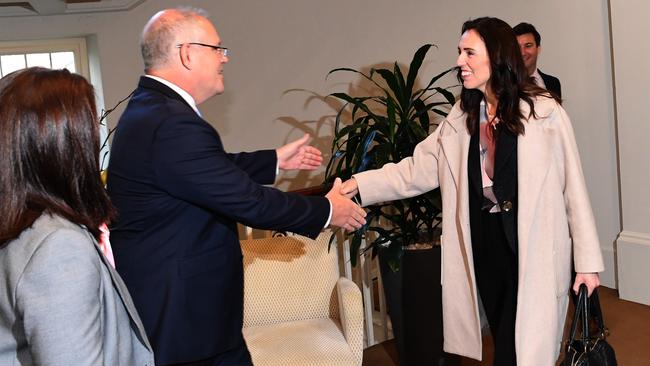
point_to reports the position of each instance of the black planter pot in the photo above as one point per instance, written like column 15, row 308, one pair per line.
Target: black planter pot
column 414, row 300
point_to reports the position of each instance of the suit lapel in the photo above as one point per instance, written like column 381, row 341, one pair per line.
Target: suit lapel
column 506, row 144
column 474, row 164
column 552, row 83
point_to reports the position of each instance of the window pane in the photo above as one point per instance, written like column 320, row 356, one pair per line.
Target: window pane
column 11, row 63
column 38, row 59
column 63, row 60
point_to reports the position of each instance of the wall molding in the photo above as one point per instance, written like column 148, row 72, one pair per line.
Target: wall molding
column 632, row 258
column 634, row 237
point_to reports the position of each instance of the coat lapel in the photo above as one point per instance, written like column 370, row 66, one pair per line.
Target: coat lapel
column 123, row 292
column 455, row 146
column 455, row 142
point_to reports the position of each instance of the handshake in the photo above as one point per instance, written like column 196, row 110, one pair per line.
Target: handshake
column 345, row 213
column 299, row 155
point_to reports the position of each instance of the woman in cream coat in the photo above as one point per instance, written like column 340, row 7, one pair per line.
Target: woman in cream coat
column 538, row 201
column 62, row 302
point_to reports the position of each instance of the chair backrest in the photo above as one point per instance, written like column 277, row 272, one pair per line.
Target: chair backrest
column 289, row 278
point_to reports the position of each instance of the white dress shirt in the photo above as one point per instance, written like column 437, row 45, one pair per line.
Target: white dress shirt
column 538, row 79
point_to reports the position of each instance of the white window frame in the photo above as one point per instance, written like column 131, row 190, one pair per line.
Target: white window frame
column 76, row 45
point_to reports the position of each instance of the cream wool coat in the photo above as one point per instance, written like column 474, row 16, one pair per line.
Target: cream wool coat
column 553, row 213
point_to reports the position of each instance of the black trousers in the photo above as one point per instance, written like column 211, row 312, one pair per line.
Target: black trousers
column 496, row 270
column 235, row 357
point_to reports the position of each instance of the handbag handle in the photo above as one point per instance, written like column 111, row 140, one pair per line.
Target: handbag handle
column 598, row 313
column 582, row 315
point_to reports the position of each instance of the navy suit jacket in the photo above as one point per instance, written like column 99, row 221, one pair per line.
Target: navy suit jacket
column 179, row 197
column 552, row 83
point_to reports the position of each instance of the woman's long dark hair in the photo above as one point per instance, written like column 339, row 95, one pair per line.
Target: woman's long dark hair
column 49, row 151
column 509, row 80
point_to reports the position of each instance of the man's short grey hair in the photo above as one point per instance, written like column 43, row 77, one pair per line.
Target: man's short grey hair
column 160, row 32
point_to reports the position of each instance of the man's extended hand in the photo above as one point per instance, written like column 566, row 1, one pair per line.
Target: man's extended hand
column 345, row 213
column 299, row 155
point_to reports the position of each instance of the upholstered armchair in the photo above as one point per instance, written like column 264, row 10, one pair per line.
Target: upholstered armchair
column 298, row 310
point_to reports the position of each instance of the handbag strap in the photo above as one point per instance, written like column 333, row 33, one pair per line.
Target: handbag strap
column 598, row 313
column 581, row 315
column 585, row 314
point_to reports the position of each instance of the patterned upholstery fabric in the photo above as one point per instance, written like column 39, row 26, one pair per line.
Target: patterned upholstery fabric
column 297, row 308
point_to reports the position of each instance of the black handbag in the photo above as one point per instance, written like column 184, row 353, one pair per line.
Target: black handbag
column 588, row 350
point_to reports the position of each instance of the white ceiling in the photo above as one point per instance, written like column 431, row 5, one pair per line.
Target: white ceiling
column 54, row 7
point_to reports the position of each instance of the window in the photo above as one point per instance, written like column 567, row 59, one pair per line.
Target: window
column 69, row 53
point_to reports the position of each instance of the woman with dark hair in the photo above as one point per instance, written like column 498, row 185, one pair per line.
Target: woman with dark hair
column 63, row 303
column 515, row 205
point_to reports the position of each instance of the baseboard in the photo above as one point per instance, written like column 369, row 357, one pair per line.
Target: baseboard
column 633, row 265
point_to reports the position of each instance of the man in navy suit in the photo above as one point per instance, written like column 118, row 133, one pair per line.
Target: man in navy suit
column 180, row 196
column 530, row 42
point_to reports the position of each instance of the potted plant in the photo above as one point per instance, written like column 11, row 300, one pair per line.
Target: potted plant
column 373, row 130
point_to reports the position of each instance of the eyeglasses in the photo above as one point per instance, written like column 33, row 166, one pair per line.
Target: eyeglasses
column 222, row 50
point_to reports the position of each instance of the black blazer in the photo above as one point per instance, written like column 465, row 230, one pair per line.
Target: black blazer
column 504, row 184
column 552, row 83
column 179, row 197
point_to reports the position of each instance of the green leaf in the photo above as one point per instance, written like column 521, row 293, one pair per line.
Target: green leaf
column 422, row 115
column 372, row 130
column 414, row 68
column 355, row 244
column 447, row 94
column 390, row 79
column 402, row 94
column 419, row 93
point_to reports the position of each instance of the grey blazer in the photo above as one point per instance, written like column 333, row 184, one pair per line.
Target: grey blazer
column 61, row 303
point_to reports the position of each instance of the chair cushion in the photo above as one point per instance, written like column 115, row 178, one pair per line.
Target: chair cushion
column 312, row 342
column 288, row 279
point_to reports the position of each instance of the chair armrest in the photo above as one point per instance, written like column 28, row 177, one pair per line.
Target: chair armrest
column 351, row 313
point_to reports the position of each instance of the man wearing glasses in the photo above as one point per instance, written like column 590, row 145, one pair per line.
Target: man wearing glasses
column 179, row 197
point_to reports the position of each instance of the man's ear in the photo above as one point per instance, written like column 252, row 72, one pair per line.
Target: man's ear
column 185, row 56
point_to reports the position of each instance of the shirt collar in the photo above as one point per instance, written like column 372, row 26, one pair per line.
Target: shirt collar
column 538, row 78
column 185, row 95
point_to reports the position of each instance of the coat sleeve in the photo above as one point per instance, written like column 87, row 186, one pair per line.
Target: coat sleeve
column 59, row 302
column 410, row 177
column 190, row 164
column 586, row 247
column 259, row 165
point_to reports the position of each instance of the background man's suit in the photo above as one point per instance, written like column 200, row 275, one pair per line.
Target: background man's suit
column 179, row 197
column 552, row 83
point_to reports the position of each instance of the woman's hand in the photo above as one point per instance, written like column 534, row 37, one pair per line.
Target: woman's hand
column 592, row 280
column 350, row 188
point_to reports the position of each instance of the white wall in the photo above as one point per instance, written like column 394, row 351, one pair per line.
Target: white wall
column 291, row 44
column 630, row 28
